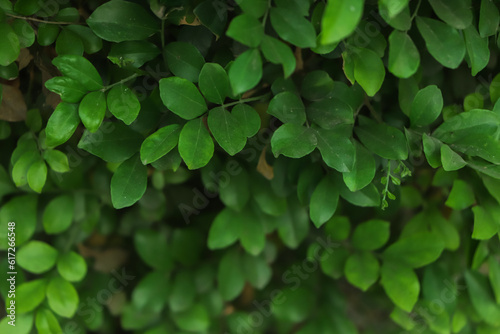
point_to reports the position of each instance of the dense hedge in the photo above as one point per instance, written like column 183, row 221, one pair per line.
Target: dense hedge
column 258, row 166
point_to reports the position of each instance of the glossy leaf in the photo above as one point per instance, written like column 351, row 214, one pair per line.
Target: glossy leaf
column 123, row 103
column 456, row 13
column 278, row 52
column 416, row 250
column 184, row 60
column 159, row 143
column 79, row 69
column 128, row 183
column 293, row 141
column 92, row 110
column 427, row 106
column 246, row 29
column 369, row 70
column 214, row 83
column 404, row 58
column 246, row 71
column 9, row 44
column 196, row 147
column 72, row 267
column 288, row 108
column 226, row 130
column 37, row 257
column 340, row 19
column 293, row 27
column 182, row 97
column 324, row 201
column 62, row 124
column 62, row 297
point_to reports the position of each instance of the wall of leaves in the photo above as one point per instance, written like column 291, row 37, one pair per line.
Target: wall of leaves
column 251, row 166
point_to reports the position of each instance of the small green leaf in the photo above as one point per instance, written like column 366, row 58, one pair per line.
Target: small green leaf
column 196, row 147
column 316, row 85
column 362, row 270
column 477, row 49
column 288, row 108
column 226, row 130
column 212, row 16
column 230, row 192
column 246, row 71
column 369, row 71
column 366, row 197
column 128, row 183
column 293, row 27
column 230, row 275
column 123, row 104
column 329, row 113
column 363, row 171
column 29, row 295
column 9, row 45
column 293, row 141
column 184, row 60
column 340, row 19
column 494, row 276
column 70, row 90
column 481, row 298
column 196, row 319
column 324, row 201
column 91, row 43
column 249, row 119
column 62, row 124
column 404, row 58
column 27, row 7
column 23, row 211
column 183, row 292
column 153, row 249
column 80, row 69
column 416, row 250
column 246, row 29
column 46, row 322
column 92, row 110
column 56, row 220
column 37, row 175
column 62, row 297
column 485, row 225
column 400, row 284
column 489, row 18
column 214, row 83
column 47, row 33
column 393, row 7
column 69, row 43
column 450, row 159
column 36, row 257
column 257, row 271
column 371, row 235
column 182, row 97
column 426, row 106
column 296, row 308
column 159, row 143
column 134, row 53
column 278, row 52
column 456, row 13
column 461, row 196
column 24, row 32
column 337, row 151
column 338, row 228
column 224, row 230
column 72, row 266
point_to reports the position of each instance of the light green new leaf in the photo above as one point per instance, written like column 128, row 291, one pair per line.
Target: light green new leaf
column 450, row 159
column 278, row 52
column 293, row 141
column 400, row 284
column 485, row 225
column 37, row 175
column 22, row 166
column 363, row 170
column 293, row 27
column 340, row 19
column 461, row 196
column 36, row 257
column 79, row 69
column 122, row 21
column 288, row 108
column 71, row 266
column 226, row 130
column 182, row 97
column 128, row 183
column 337, row 151
column 489, row 18
column 214, row 83
column 29, row 295
column 70, row 90
column 123, row 103
column 402, row 21
column 371, row 235
column 246, row 71
column 9, row 44
column 23, row 211
column 159, row 143
column 196, row 147
column 393, row 7
column 56, row 220
column 62, row 297
column 246, row 29
column 404, row 58
column 184, row 60
column 426, row 106
column 443, row 42
column 362, row 270
column 369, row 70
column 46, row 322
column 457, row 13
column 416, row 250
column 248, row 117
column 324, row 201
column 477, row 49
column 92, row 110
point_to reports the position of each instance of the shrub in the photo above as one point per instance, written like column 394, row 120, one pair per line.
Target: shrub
column 250, row 167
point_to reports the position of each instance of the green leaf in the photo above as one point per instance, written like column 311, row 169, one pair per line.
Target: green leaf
column 213, row 16
column 62, row 297
column 92, row 110
column 450, row 159
column 196, row 147
column 443, row 42
column 36, row 257
column 9, row 45
column 494, row 275
column 80, row 69
column 297, row 306
column 62, row 124
column 278, row 52
column 426, row 106
column 22, row 166
column 69, row 43
column 27, row 7
column 362, row 270
column 214, row 83
column 363, row 170
column 316, row 85
column 230, row 192
column 383, row 140
column 461, row 196
column 477, row 49
column 340, row 19
column 288, row 108
column 252, row 232
column 369, row 70
column 29, row 295
column 24, row 32
column 70, row 90
column 134, row 53
column 366, row 197
column 128, row 183
column 47, row 33
column 293, row 226
column 293, row 141
column 246, row 71
column 489, row 18
column 37, row 175
column 404, row 58
column 230, row 275
column 293, row 27
column 266, row 198
column 334, row 264
column 246, row 29
column 114, row 142
column 151, row 292
column 153, row 249
column 23, row 211
column 183, row 292
column 330, row 112
column 184, row 60
column 249, row 119
column 401, row 21
column 46, row 322
column 481, row 298
column 91, row 43
column 257, row 272
column 122, row 21
column 55, row 220
column 416, row 250
column 324, row 201
column 196, row 319
column 400, row 284
column 123, row 103
column 456, row 13
column 371, row 235
column 337, row 151
column 226, row 130
column 159, row 143
column 485, row 225
column 182, row 97
column 224, row 230
column 71, row 266
column 393, row 7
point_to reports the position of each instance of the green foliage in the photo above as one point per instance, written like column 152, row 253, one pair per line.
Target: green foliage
column 214, row 167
